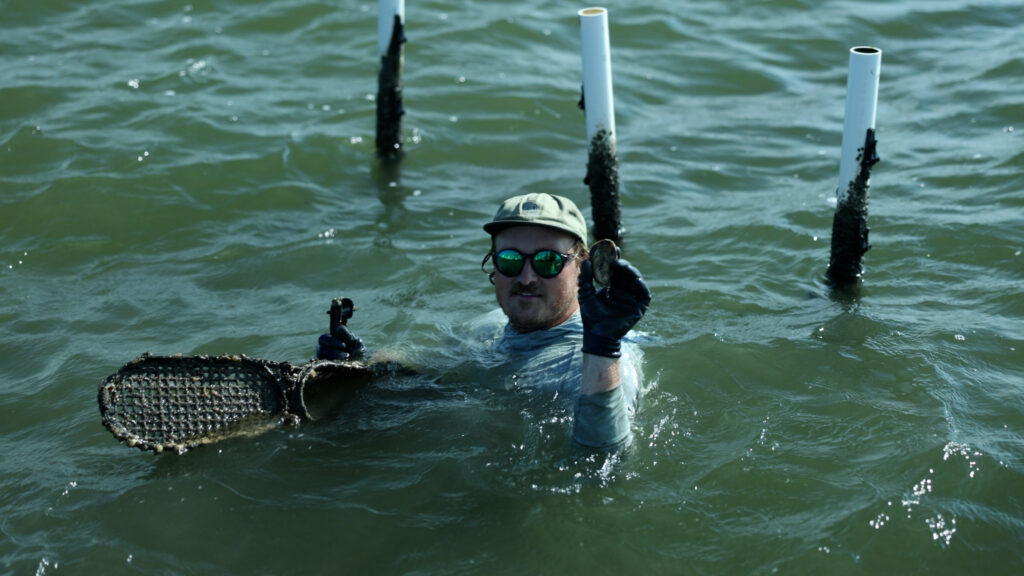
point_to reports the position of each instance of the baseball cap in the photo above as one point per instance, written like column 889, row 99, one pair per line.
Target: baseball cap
column 539, row 209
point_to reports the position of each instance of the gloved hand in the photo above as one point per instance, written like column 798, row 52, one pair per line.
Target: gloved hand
column 342, row 345
column 610, row 313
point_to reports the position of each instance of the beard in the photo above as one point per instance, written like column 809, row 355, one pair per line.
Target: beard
column 529, row 307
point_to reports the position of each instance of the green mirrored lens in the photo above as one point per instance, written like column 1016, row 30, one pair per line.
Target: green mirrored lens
column 509, row 262
column 547, row 264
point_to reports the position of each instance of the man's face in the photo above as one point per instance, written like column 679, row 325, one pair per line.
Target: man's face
column 531, row 302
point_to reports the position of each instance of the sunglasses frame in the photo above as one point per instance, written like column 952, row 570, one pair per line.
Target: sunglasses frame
column 531, row 258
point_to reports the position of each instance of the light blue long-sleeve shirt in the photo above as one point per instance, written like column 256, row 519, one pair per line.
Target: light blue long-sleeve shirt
column 551, row 361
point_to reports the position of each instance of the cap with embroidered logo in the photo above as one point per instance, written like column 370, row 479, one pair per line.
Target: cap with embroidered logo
column 539, row 209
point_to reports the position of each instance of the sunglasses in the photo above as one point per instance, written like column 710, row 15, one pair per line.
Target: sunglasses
column 546, row 263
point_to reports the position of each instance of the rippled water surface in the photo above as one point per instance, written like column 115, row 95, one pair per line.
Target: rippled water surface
column 200, row 178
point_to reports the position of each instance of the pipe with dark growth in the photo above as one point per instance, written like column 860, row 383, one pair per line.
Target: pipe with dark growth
column 390, row 38
column 849, row 225
column 597, row 103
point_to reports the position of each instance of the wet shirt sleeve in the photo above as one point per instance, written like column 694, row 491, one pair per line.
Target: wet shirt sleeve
column 602, row 420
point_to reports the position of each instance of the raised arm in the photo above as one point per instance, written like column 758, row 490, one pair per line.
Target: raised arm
column 602, row 415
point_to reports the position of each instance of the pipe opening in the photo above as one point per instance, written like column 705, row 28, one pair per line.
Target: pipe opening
column 866, row 50
column 592, row 11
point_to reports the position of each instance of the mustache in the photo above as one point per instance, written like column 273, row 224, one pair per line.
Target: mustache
column 520, row 288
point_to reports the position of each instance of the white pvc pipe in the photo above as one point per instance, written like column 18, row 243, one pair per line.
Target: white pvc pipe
column 386, row 12
column 597, row 73
column 861, row 102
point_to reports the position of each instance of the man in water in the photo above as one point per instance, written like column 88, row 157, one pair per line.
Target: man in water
column 543, row 280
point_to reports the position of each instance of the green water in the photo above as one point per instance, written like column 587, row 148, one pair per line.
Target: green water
column 201, row 179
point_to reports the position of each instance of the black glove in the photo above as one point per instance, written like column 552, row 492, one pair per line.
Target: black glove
column 342, row 345
column 610, row 313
